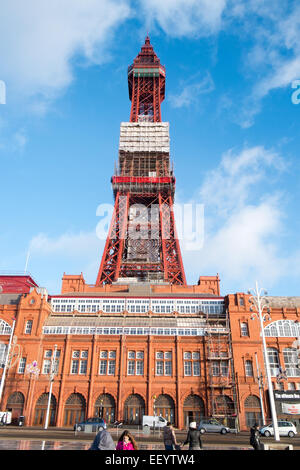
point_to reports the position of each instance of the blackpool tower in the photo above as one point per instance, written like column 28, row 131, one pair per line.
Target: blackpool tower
column 142, row 243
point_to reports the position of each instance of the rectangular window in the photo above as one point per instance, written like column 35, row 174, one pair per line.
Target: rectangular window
column 159, row 368
column 215, row 368
column 249, row 369
column 111, row 367
column 28, row 327
column 168, row 368
column 224, row 368
column 103, row 367
column 46, row 366
column 74, row 366
column 130, row 367
column 139, row 367
column 196, row 368
column 22, row 365
column 83, row 367
column 244, row 329
column 187, row 367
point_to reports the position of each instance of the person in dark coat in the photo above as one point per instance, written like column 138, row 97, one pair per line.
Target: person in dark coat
column 254, row 437
column 193, row 437
column 169, row 437
column 103, row 440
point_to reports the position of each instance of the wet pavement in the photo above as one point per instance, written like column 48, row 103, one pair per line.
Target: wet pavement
column 34, row 438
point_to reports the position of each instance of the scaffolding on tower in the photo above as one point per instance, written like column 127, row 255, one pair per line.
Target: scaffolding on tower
column 142, row 242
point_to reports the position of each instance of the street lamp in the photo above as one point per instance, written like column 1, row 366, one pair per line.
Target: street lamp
column 260, row 380
column 53, row 372
column 259, row 304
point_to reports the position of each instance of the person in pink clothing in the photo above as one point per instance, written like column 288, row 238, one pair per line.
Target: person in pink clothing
column 126, row 442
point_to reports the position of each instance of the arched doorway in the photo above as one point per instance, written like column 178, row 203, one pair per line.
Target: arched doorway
column 74, row 409
column 134, row 409
column 15, row 404
column 41, row 410
column 193, row 409
column 105, row 407
column 252, row 411
column 224, row 405
column 164, row 406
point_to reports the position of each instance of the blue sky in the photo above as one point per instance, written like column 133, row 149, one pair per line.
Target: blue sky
column 233, row 126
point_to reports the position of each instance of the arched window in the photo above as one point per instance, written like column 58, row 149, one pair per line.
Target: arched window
column 283, row 328
column 134, row 409
column 193, row 409
column 223, row 405
column 74, row 409
column 15, row 403
column 41, row 410
column 252, row 411
column 164, row 406
column 105, row 407
column 5, row 328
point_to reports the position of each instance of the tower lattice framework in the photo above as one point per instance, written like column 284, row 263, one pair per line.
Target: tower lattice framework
column 142, row 242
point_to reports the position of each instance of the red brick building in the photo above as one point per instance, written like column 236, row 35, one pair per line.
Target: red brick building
column 181, row 355
column 142, row 341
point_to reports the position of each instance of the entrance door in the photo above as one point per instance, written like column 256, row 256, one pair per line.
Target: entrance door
column 164, row 406
column 105, row 407
column 40, row 412
column 134, row 409
column 74, row 410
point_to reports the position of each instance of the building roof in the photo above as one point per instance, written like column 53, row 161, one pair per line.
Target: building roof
column 283, row 302
column 122, row 321
column 9, row 299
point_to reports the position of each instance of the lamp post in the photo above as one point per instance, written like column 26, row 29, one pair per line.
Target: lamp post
column 53, row 372
column 258, row 302
column 261, row 387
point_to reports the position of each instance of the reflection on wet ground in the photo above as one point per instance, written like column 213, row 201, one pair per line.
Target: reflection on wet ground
column 25, row 444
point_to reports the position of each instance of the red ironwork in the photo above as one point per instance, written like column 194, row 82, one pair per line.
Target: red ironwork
column 146, row 85
column 142, row 242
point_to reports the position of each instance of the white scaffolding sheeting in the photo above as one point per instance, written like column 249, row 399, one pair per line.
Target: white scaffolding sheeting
column 144, row 137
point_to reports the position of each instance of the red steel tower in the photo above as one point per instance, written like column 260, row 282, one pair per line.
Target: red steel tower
column 142, row 242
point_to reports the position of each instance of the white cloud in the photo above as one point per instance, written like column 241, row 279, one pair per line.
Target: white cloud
column 244, row 223
column 227, row 187
column 67, row 244
column 273, row 62
column 39, row 39
column 191, row 92
column 180, row 18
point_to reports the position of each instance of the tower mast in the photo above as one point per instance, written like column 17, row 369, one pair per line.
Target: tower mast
column 142, row 243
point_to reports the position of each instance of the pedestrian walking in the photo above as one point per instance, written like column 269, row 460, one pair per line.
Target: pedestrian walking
column 103, row 440
column 126, row 442
column 193, row 438
column 169, row 437
column 255, row 438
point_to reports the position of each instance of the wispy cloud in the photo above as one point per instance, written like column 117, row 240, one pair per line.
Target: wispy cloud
column 191, row 92
column 189, row 18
